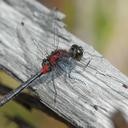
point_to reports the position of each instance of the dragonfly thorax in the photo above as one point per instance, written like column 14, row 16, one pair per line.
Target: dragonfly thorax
column 52, row 60
column 56, row 56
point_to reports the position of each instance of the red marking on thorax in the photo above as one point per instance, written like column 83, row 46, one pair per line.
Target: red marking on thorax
column 55, row 57
column 45, row 69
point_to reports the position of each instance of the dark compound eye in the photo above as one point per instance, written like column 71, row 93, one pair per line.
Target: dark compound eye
column 72, row 48
column 79, row 53
column 76, row 52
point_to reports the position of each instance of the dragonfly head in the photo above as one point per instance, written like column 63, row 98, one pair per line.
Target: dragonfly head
column 76, row 52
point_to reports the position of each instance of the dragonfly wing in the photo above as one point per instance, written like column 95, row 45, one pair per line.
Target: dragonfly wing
column 51, row 27
column 31, row 54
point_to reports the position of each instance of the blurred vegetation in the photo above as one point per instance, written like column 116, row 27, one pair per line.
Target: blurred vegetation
column 103, row 24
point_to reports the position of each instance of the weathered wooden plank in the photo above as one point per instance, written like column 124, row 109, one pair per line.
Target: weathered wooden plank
column 95, row 90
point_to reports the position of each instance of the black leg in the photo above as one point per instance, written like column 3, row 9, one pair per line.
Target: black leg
column 87, row 64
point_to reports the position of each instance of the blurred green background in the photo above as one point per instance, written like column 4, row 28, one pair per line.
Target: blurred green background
column 100, row 23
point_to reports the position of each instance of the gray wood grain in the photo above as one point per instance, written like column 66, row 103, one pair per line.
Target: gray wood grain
column 94, row 89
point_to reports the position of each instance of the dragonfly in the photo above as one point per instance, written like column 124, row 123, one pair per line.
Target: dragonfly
column 75, row 52
column 49, row 63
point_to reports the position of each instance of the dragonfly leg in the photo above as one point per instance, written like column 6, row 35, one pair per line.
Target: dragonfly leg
column 87, row 64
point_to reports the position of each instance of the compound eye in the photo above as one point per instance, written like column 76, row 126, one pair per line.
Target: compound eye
column 76, row 52
column 81, row 49
column 79, row 53
column 74, row 46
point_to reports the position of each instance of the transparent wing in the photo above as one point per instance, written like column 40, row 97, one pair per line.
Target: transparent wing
column 45, row 85
column 71, row 77
column 54, row 27
column 57, row 28
column 48, row 83
column 31, row 52
column 49, row 23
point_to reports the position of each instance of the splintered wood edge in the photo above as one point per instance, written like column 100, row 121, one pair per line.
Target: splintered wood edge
column 96, row 88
